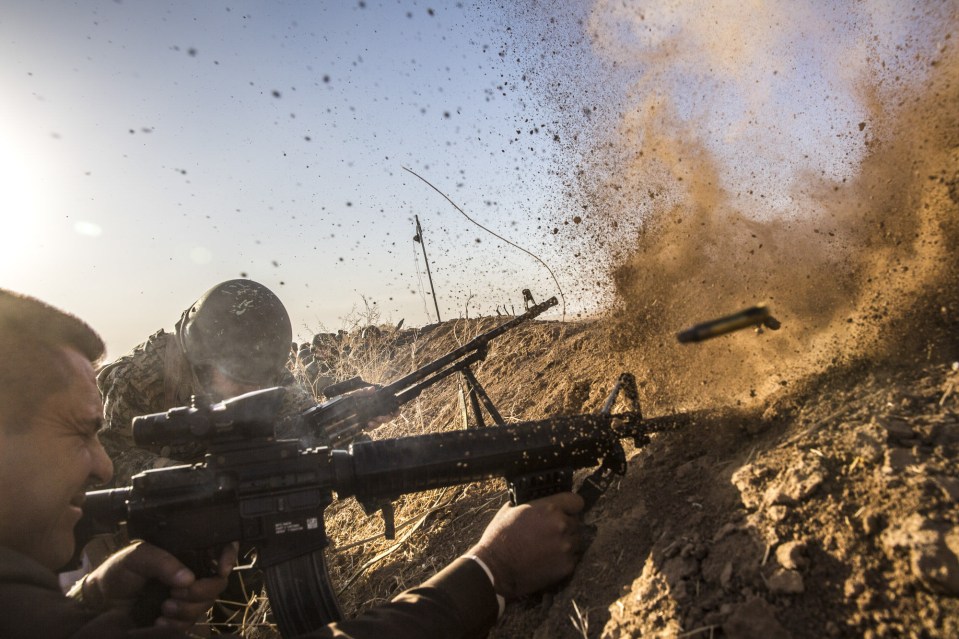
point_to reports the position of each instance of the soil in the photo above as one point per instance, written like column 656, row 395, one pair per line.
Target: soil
column 827, row 510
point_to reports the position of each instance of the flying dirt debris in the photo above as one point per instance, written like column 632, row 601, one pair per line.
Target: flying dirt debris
column 758, row 316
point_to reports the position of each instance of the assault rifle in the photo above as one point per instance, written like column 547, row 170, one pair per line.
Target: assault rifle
column 342, row 418
column 270, row 494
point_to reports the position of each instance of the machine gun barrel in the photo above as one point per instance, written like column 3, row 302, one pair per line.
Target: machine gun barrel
column 406, row 385
column 386, row 469
column 342, row 418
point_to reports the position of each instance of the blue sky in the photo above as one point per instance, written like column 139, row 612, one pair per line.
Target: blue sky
column 151, row 149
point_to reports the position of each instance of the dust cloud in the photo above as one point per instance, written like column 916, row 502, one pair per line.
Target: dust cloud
column 802, row 155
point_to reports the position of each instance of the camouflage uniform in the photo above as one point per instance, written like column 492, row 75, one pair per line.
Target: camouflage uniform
column 154, row 378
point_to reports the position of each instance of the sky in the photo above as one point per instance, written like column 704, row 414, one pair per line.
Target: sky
column 149, row 150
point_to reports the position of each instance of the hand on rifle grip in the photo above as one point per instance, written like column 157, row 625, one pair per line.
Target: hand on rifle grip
column 531, row 546
column 157, row 587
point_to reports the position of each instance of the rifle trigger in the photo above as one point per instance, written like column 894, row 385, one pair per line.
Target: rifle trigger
column 389, row 520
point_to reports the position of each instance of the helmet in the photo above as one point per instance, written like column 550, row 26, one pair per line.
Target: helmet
column 239, row 327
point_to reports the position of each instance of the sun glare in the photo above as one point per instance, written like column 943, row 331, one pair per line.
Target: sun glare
column 21, row 203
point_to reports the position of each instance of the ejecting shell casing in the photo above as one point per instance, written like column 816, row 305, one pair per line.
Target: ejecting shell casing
column 754, row 316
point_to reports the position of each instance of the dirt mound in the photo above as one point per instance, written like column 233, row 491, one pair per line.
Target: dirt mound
column 832, row 516
column 829, row 510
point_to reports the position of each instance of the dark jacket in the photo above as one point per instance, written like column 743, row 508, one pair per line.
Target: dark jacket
column 457, row 603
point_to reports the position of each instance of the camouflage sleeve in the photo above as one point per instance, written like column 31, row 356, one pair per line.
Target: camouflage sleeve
column 131, row 386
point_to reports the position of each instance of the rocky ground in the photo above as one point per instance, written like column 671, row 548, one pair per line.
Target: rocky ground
column 830, row 510
column 831, row 515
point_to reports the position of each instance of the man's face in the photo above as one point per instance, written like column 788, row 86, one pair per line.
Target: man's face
column 47, row 465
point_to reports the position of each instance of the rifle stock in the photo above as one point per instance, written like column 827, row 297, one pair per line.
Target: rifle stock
column 271, row 494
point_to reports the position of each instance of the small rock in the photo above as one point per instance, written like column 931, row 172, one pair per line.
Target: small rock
column 853, row 588
column 676, row 569
column 755, row 618
column 937, row 567
column 871, row 522
column 933, row 552
column 679, row 592
column 792, row 555
column 897, row 460
column 797, row 483
column 898, row 431
column 726, row 576
column 777, row 513
column 868, row 446
column 745, row 479
column 915, row 530
column 775, row 495
column 785, row 582
column 949, row 487
column 944, row 433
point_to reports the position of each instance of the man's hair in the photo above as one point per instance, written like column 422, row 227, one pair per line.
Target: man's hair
column 32, row 338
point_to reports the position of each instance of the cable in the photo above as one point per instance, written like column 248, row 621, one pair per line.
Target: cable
column 494, row 234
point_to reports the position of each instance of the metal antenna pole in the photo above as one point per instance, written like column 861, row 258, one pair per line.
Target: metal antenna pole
column 419, row 238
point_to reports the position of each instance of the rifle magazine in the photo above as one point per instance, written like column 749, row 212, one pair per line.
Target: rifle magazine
column 301, row 595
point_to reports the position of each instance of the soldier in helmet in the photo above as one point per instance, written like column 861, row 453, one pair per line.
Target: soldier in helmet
column 234, row 339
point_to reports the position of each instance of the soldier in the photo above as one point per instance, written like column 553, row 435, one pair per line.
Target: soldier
column 234, row 339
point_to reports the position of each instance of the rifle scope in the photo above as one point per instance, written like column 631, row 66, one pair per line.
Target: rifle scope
column 245, row 417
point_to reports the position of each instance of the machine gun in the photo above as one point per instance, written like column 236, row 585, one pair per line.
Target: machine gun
column 342, row 418
column 271, row 494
